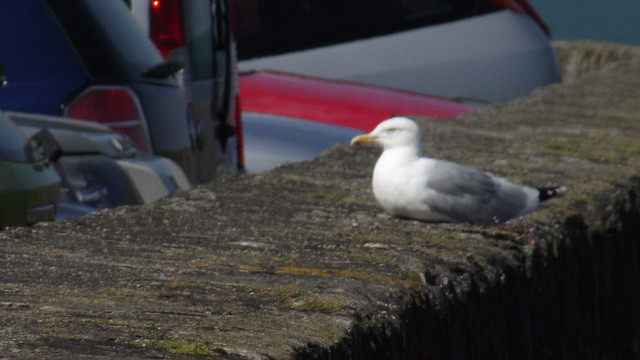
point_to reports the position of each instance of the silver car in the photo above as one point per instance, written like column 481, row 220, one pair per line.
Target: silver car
column 98, row 167
column 478, row 51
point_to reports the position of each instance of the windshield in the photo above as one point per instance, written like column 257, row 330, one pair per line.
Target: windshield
column 266, row 27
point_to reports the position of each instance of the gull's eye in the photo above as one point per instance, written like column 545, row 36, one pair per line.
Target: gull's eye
column 391, row 130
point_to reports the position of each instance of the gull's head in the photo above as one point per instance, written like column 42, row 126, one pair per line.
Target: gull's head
column 391, row 133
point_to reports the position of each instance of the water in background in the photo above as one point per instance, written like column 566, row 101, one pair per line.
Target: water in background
column 600, row 20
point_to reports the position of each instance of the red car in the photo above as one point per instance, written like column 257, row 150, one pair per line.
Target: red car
column 293, row 118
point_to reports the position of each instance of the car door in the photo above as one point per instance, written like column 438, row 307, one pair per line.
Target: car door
column 208, row 81
column 197, row 33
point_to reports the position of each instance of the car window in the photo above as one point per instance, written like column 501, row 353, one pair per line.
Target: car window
column 266, row 27
column 40, row 64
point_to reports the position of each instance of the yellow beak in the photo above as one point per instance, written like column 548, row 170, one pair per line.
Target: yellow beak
column 363, row 139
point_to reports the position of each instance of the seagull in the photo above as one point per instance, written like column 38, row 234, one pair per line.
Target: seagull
column 410, row 186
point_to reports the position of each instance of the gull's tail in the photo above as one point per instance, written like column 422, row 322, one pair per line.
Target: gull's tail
column 548, row 193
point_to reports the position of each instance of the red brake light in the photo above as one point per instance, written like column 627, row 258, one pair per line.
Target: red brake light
column 115, row 107
column 165, row 23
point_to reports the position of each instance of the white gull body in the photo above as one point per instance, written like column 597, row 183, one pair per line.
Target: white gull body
column 408, row 185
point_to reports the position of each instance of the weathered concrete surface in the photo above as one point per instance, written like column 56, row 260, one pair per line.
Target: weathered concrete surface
column 577, row 58
column 301, row 263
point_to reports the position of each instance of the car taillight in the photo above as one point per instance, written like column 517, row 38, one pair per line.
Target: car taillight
column 165, row 25
column 523, row 7
column 237, row 119
column 115, row 107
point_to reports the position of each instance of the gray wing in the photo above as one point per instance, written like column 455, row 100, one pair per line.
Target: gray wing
column 466, row 194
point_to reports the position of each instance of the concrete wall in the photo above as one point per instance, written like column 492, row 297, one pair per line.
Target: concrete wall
column 575, row 296
column 301, row 263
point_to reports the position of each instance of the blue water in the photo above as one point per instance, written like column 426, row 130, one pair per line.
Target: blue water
column 600, row 20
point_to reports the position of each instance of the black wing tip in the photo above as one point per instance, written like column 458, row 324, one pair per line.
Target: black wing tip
column 551, row 192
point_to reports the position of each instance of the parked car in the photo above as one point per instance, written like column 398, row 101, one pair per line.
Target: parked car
column 89, row 59
column 478, row 51
column 291, row 118
column 197, row 34
column 29, row 185
column 99, row 168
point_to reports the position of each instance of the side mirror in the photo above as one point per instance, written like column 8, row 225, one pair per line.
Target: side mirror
column 43, row 143
column 3, row 78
